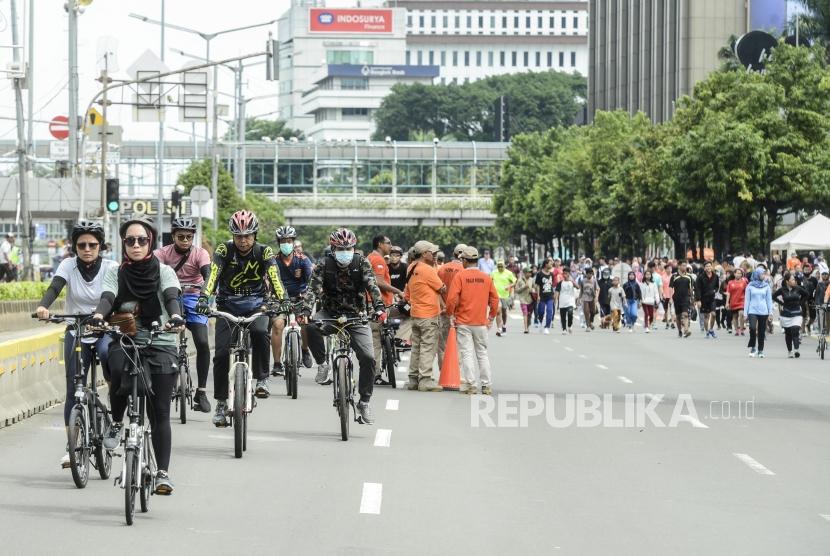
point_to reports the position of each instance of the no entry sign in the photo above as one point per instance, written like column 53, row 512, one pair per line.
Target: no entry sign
column 59, row 127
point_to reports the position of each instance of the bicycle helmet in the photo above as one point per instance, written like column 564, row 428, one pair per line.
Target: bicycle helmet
column 183, row 223
column 243, row 222
column 145, row 221
column 396, row 249
column 342, row 238
column 87, row 227
column 286, row 232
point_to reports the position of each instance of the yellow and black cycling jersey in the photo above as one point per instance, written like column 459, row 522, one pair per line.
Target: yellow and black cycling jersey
column 234, row 274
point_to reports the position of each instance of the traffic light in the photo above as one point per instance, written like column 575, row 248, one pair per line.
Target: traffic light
column 113, row 203
column 502, row 113
column 272, row 62
column 176, row 202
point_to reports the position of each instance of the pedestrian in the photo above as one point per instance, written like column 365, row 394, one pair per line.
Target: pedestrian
column 381, row 246
column 446, row 273
column 735, row 291
column 650, row 293
column 423, row 291
column 603, row 299
column 544, row 289
column 682, row 285
column 565, row 299
column 790, row 297
column 588, row 298
column 523, row 291
column 616, row 297
column 666, row 294
column 7, row 270
column 504, row 281
column 705, row 290
column 757, row 308
column 472, row 303
column 633, row 297
column 486, row 264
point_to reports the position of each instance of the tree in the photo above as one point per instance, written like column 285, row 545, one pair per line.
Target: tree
column 815, row 24
column 256, row 129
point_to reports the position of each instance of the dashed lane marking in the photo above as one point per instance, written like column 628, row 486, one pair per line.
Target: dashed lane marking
column 601, row 366
column 392, row 405
column 753, row 464
column 371, row 499
column 625, row 379
column 382, row 438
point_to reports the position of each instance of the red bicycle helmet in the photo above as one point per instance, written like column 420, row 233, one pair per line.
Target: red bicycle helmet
column 243, row 222
column 342, row 238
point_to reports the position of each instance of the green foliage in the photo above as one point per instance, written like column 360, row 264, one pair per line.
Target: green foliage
column 256, row 129
column 537, row 101
column 24, row 291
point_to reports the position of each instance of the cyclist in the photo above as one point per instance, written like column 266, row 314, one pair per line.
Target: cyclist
column 149, row 289
column 238, row 275
column 381, row 247
column 192, row 265
column 295, row 273
column 341, row 281
column 83, row 274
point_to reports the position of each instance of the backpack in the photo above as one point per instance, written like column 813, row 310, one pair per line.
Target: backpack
column 330, row 271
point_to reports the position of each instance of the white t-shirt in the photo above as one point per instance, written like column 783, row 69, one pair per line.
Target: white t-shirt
column 82, row 296
column 567, row 294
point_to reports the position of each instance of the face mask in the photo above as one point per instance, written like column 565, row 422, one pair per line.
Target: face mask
column 286, row 249
column 344, row 257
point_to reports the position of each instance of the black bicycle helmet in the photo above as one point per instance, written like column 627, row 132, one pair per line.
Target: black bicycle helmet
column 183, row 223
column 286, row 232
column 87, row 227
column 145, row 221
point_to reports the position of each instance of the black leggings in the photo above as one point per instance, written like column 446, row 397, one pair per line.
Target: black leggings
column 757, row 329
column 200, row 340
column 158, row 405
column 566, row 315
column 260, row 353
column 792, row 337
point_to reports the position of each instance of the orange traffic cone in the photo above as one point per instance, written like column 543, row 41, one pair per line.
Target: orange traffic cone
column 450, row 373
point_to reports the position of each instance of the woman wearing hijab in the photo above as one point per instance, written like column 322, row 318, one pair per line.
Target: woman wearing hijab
column 757, row 308
column 790, row 296
column 633, row 296
column 82, row 275
column 150, row 290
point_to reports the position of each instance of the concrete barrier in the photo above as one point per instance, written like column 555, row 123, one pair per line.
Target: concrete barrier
column 31, row 375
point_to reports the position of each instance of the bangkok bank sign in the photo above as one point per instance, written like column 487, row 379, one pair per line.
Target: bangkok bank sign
column 323, row 20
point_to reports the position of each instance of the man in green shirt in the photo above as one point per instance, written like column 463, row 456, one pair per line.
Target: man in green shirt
column 505, row 281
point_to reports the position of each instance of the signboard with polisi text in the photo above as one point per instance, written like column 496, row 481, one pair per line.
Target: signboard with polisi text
column 325, row 20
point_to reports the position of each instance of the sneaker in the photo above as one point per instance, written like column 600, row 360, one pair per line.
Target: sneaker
column 527, row 332
column 65, row 459
column 220, row 419
column 570, row 330
column 714, row 336
column 364, row 413
column 564, row 332
column 796, row 354
column 200, row 402
column 648, row 330
column 322, row 373
column 307, row 362
column 687, row 333
column 761, row 354
column 112, row 436
column 277, row 370
column 504, row 330
column 412, row 384
column 262, row 390
column 429, row 386
column 752, row 353
column 630, row 329
column 164, row 486
column 547, row 331
column 790, row 355
column 486, row 390
column 498, row 333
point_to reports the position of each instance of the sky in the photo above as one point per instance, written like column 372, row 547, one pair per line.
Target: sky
column 110, row 18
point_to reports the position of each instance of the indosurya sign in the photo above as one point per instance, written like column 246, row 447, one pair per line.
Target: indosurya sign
column 324, row 20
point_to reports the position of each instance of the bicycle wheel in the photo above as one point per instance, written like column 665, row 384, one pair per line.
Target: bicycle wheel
column 822, row 345
column 146, row 488
column 130, row 484
column 343, row 389
column 239, row 401
column 390, row 361
column 183, row 388
column 291, row 365
column 77, row 433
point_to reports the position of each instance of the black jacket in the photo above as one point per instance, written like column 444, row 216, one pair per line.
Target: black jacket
column 790, row 300
column 632, row 290
column 706, row 287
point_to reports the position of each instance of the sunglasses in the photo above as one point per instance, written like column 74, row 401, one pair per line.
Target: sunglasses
column 184, row 237
column 131, row 241
column 83, row 246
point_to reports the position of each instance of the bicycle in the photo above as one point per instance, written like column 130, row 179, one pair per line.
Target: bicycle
column 184, row 392
column 821, row 321
column 241, row 400
column 343, row 384
column 139, row 471
column 292, row 350
column 391, row 354
column 89, row 418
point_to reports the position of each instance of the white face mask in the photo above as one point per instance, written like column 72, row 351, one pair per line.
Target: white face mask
column 344, row 257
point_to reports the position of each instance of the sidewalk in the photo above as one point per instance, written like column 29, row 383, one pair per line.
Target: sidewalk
column 28, row 332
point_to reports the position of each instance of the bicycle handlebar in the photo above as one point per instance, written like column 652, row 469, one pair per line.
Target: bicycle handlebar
column 360, row 319
column 237, row 319
column 60, row 319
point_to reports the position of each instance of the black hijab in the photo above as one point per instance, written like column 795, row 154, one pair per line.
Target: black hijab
column 140, row 281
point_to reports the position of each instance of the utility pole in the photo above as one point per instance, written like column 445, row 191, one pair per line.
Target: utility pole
column 240, row 133
column 22, row 163
column 214, row 157
column 105, row 83
column 30, row 81
column 72, row 9
column 160, row 222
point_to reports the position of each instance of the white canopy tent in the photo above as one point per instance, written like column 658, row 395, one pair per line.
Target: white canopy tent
column 812, row 235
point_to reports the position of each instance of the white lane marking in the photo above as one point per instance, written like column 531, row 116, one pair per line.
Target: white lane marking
column 382, row 438
column 753, row 464
column 371, row 498
column 555, row 340
column 825, row 516
column 53, row 428
column 626, row 380
column 253, row 438
column 516, row 317
column 567, row 348
column 400, row 383
column 601, row 366
column 696, row 423
column 583, row 356
column 392, row 405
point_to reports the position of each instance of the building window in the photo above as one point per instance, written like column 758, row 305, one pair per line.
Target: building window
column 431, row 58
column 516, row 22
column 478, row 58
column 576, row 23
column 527, row 22
column 455, row 58
column 421, row 21
column 466, row 57
column 551, row 23
column 354, row 84
column 408, row 58
column 550, row 59
column 354, row 57
column 504, row 22
column 492, row 23
column 501, row 58
column 446, row 21
column 513, row 58
column 539, row 22
column 526, row 58
column 561, row 59
column 355, row 113
column 469, row 22
column 443, row 57
column 490, row 58
column 457, row 21
column 538, row 59
column 409, row 21
column 420, row 58
column 481, row 22
column 432, row 22
column 573, row 59
column 455, row 81
column 564, row 23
